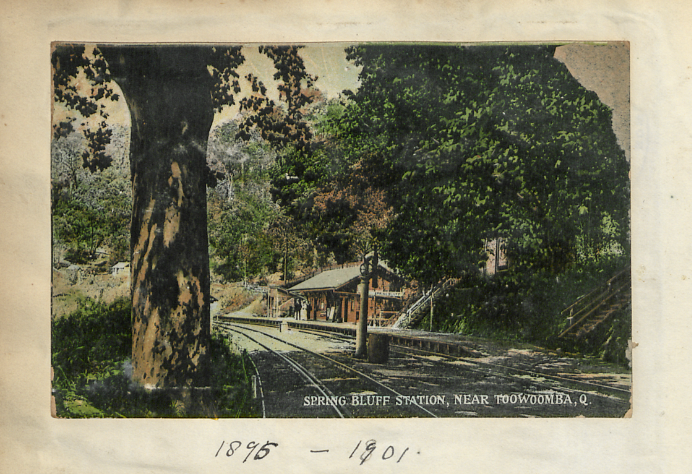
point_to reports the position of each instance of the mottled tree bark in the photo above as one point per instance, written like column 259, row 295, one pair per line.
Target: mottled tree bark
column 167, row 90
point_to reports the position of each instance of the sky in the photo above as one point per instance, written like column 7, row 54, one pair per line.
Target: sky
column 327, row 61
column 604, row 69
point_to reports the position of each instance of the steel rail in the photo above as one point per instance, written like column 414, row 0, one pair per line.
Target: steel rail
column 524, row 371
column 259, row 383
column 340, row 364
column 310, row 378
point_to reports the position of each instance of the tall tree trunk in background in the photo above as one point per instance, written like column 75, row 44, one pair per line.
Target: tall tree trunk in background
column 167, row 90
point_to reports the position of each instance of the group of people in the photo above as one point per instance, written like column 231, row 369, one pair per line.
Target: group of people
column 300, row 309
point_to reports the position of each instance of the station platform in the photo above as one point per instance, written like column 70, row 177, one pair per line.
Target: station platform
column 441, row 343
column 518, row 358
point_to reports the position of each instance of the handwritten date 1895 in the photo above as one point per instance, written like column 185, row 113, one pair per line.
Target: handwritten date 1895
column 234, row 446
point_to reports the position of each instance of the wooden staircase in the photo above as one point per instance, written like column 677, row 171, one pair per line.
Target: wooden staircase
column 596, row 307
column 416, row 310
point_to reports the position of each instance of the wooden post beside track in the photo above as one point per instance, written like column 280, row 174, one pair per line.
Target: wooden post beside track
column 362, row 328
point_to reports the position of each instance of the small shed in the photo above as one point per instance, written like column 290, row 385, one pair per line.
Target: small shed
column 497, row 257
column 280, row 302
column 119, row 268
column 73, row 273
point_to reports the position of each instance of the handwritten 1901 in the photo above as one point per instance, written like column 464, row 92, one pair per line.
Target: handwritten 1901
column 369, row 449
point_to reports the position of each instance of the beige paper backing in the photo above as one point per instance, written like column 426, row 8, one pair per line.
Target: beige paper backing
column 657, row 437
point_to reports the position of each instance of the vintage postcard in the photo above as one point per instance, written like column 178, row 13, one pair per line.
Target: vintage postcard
column 341, row 230
column 339, row 236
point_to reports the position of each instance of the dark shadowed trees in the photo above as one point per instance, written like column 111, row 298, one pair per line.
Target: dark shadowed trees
column 482, row 142
column 172, row 93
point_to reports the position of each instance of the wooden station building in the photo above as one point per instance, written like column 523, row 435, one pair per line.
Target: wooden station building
column 332, row 295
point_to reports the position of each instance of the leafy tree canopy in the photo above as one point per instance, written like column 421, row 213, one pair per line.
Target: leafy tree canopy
column 472, row 143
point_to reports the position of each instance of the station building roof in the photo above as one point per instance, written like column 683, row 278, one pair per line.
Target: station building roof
column 330, row 279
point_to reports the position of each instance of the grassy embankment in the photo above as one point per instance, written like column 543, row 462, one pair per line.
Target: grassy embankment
column 91, row 361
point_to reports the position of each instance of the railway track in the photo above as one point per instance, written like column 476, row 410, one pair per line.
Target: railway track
column 304, row 373
column 367, row 390
column 516, row 369
column 412, row 370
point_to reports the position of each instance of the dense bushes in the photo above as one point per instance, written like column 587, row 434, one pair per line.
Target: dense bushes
column 92, row 340
column 92, row 213
column 92, row 369
column 524, row 307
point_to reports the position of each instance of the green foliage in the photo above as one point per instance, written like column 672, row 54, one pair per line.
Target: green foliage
column 92, row 340
column 333, row 192
column 467, row 144
column 280, row 124
column 231, row 379
column 522, row 306
column 78, row 228
column 71, row 62
column 300, row 173
column 89, row 345
column 231, row 395
column 615, row 341
column 91, row 212
column 91, row 362
column 481, row 142
column 239, row 235
column 297, row 181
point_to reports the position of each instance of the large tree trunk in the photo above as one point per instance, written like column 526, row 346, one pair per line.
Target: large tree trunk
column 167, row 90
